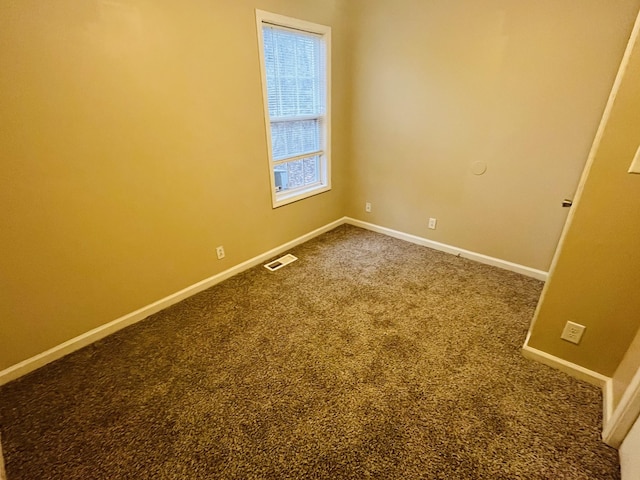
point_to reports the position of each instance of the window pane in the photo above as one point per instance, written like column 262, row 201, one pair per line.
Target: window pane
column 294, row 65
column 311, row 170
column 297, row 174
column 290, row 139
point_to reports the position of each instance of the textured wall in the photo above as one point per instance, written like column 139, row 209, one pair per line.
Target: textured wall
column 133, row 143
column 439, row 85
column 596, row 277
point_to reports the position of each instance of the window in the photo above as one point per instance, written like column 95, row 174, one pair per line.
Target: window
column 295, row 63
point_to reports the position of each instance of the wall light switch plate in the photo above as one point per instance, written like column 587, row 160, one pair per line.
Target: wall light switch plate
column 635, row 165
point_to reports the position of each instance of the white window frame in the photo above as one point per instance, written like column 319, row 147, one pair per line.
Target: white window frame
column 283, row 198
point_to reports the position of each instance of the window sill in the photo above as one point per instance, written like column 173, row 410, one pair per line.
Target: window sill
column 284, row 198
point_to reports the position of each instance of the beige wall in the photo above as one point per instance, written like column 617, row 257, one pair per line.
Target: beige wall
column 132, row 143
column 626, row 370
column 596, row 278
column 439, row 85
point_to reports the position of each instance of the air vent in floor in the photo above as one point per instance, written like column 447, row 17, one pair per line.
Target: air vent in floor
column 280, row 262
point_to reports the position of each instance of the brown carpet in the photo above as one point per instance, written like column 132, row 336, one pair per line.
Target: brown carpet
column 369, row 357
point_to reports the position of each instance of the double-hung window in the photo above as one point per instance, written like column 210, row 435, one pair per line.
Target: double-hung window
column 295, row 64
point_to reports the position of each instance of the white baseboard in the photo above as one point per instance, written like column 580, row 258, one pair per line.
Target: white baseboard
column 611, row 432
column 478, row 257
column 627, row 412
column 573, row 369
column 607, row 403
column 102, row 331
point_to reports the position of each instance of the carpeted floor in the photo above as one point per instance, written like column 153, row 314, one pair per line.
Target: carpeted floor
column 369, row 357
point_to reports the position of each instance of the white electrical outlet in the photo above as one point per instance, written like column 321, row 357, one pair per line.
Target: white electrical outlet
column 220, row 252
column 367, row 207
column 432, row 223
column 573, row 332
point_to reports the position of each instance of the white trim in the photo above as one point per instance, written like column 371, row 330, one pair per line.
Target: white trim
column 607, row 403
column 573, row 369
column 278, row 20
column 478, row 257
column 624, row 416
column 279, row 199
column 297, row 118
column 317, row 153
column 291, row 196
column 102, row 331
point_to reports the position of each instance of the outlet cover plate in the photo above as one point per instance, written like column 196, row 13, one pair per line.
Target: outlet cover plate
column 573, row 332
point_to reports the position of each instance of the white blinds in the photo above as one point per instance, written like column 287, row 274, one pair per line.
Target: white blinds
column 295, row 70
column 290, row 139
